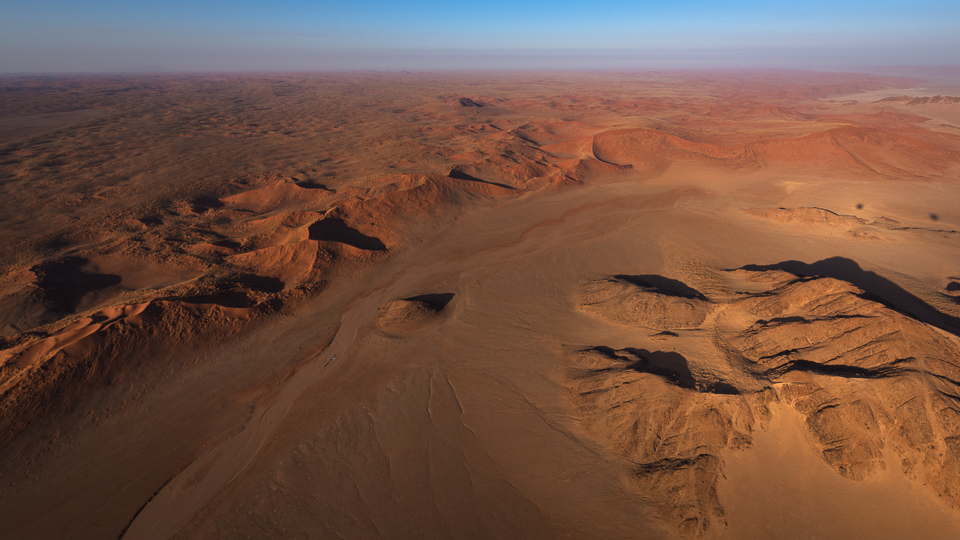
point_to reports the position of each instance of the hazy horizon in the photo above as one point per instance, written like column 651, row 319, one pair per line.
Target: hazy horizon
column 107, row 36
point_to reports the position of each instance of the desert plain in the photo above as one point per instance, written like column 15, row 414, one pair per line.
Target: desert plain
column 653, row 305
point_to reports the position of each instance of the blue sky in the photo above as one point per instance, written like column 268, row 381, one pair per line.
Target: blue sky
column 254, row 35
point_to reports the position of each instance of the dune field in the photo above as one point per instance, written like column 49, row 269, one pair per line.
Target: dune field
column 719, row 305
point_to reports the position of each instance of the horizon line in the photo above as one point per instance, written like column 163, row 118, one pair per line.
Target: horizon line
column 160, row 71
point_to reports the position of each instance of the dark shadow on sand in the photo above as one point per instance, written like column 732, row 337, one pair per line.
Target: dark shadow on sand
column 669, row 366
column 459, row 174
column 663, row 285
column 335, row 230
column 232, row 292
column 437, row 301
column 65, row 282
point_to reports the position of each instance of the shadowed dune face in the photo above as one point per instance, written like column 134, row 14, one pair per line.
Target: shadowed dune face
column 335, row 230
column 477, row 305
column 61, row 285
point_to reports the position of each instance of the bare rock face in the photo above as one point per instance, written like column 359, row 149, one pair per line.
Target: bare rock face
column 687, row 489
column 649, row 301
column 864, row 377
column 807, row 216
column 649, row 408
